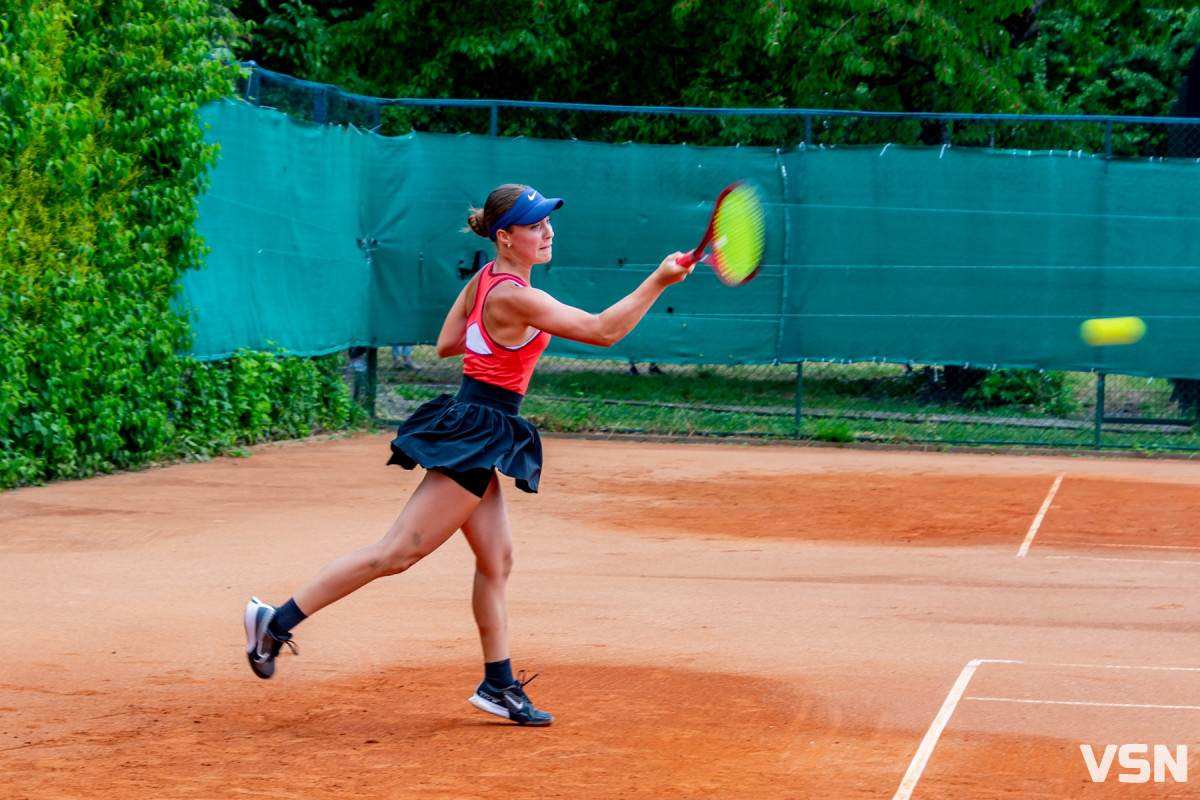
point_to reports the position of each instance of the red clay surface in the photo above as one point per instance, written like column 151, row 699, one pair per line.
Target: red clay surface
column 711, row 620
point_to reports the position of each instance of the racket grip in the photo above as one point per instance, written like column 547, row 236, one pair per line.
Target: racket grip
column 687, row 259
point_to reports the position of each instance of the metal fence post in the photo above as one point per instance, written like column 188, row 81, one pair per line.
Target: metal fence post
column 253, row 84
column 494, row 121
column 1099, row 406
column 799, row 396
column 320, row 106
column 372, row 379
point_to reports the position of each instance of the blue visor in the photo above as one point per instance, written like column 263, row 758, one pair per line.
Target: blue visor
column 530, row 207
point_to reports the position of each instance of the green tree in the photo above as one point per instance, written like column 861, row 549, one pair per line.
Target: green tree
column 1109, row 57
column 1102, row 56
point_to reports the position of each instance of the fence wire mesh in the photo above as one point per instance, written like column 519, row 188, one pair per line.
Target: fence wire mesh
column 1112, row 136
column 898, row 404
column 918, row 404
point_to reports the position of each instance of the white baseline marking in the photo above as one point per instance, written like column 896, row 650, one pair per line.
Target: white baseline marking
column 1145, row 546
column 1037, row 521
column 1193, row 562
column 1125, row 666
column 939, row 724
column 1081, row 703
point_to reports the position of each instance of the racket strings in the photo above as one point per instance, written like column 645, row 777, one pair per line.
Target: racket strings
column 738, row 235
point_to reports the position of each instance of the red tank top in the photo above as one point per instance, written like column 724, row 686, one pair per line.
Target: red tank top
column 485, row 360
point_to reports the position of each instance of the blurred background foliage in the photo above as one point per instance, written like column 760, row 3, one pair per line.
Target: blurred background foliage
column 103, row 157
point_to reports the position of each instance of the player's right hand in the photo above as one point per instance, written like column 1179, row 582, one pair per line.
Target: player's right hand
column 670, row 272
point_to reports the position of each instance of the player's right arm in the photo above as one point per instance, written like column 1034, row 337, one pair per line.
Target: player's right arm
column 510, row 309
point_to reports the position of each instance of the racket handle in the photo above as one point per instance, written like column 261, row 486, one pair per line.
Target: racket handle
column 687, row 259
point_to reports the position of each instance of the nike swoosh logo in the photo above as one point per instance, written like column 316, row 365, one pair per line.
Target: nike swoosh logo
column 518, row 705
column 532, row 195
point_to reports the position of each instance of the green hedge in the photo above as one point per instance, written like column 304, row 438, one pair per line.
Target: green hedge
column 260, row 397
column 102, row 160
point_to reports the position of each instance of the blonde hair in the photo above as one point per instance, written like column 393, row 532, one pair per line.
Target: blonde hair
column 502, row 198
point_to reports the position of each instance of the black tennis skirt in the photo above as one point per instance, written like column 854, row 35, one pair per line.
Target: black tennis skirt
column 476, row 429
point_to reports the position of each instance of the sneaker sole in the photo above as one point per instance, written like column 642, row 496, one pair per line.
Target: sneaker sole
column 262, row 670
column 484, row 704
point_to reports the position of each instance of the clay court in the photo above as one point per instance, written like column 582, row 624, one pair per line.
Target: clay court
column 709, row 620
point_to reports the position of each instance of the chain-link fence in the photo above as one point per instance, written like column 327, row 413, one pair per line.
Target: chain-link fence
column 1115, row 136
column 822, row 401
column 826, row 401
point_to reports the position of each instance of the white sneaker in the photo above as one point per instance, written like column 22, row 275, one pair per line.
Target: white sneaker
column 261, row 645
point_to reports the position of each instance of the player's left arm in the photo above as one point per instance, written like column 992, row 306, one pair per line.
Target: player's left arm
column 452, row 340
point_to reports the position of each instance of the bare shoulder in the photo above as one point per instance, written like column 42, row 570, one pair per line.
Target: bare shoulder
column 515, row 295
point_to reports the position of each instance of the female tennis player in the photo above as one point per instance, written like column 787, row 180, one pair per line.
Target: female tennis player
column 500, row 324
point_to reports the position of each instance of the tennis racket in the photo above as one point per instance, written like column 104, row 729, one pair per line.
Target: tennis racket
column 736, row 235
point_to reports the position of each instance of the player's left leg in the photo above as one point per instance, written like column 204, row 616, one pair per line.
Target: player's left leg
column 490, row 536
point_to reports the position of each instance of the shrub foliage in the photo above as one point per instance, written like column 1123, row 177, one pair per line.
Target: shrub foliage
column 103, row 158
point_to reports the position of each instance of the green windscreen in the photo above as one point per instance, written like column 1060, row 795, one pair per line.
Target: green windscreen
column 968, row 256
column 283, row 218
column 324, row 237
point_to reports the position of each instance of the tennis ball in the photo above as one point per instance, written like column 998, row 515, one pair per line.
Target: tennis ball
column 1112, row 330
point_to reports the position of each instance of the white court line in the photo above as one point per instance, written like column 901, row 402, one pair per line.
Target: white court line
column 917, row 766
column 1193, row 562
column 1120, row 666
column 939, row 724
column 1081, row 703
column 1145, row 546
column 1037, row 521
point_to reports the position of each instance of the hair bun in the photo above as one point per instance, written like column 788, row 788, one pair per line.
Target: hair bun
column 475, row 221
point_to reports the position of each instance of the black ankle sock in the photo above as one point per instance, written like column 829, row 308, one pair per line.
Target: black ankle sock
column 499, row 674
column 287, row 616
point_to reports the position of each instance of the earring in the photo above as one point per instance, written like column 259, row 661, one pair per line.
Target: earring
column 510, row 244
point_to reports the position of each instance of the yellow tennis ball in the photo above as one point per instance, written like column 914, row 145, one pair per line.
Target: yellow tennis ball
column 1112, row 330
